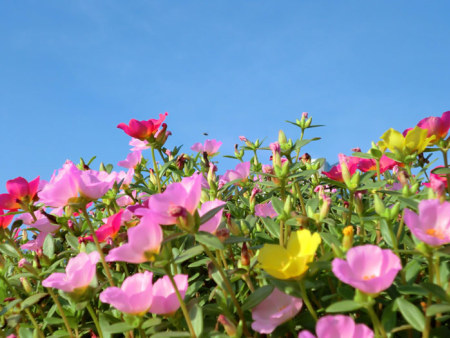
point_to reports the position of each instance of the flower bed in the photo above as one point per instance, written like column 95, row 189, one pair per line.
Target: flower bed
column 276, row 246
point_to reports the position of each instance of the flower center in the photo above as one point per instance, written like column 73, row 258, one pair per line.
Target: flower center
column 435, row 233
column 369, row 277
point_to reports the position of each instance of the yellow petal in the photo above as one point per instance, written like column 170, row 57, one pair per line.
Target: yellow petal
column 393, row 140
column 303, row 243
column 415, row 139
column 275, row 260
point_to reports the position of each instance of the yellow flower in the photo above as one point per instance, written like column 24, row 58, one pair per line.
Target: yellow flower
column 416, row 140
column 292, row 261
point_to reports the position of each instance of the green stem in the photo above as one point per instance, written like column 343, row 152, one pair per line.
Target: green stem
column 99, row 249
column 400, row 227
column 229, row 288
column 307, row 301
column 94, row 318
column 60, row 308
column 155, row 168
column 182, row 304
column 376, row 322
column 377, row 161
column 444, row 154
column 350, row 208
column 300, row 198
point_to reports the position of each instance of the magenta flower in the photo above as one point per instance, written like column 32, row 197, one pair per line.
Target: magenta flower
column 144, row 242
column 437, row 126
column 368, row 268
column 132, row 160
column 212, row 224
column 19, row 191
column 133, row 297
column 386, row 163
column 435, row 179
column 142, row 130
column 273, row 311
column 335, row 173
column 432, row 225
column 265, row 210
column 338, row 326
column 241, row 173
column 79, row 274
column 210, row 147
column 5, row 220
column 165, row 301
column 175, row 201
column 108, row 230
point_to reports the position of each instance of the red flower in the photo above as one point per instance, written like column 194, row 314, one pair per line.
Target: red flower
column 19, row 191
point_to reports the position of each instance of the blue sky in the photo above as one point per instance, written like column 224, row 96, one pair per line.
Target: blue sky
column 70, row 71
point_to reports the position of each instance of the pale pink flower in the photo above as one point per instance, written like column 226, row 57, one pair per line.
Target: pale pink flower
column 265, row 210
column 241, row 173
column 79, row 273
column 210, row 147
column 138, row 144
column 273, row 311
column 212, row 224
column 368, row 268
column 432, row 225
column 165, row 301
column 338, row 326
column 134, row 297
column 43, row 225
column 132, row 160
column 144, row 242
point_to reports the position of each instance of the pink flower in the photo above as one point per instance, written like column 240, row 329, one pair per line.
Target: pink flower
column 94, row 184
column 134, row 297
column 368, row 268
column 366, row 164
column 19, row 191
column 335, row 173
column 435, row 178
column 437, row 126
column 273, row 311
column 265, row 210
column 138, row 144
column 210, row 147
column 432, row 225
column 132, row 160
column 144, row 242
column 241, row 173
column 212, row 224
column 79, row 273
column 43, row 225
column 175, row 201
column 165, row 301
column 142, row 130
column 338, row 326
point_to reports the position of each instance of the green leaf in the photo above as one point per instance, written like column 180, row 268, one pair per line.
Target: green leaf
column 385, row 232
column 210, row 214
column 437, row 308
column 32, row 300
column 151, row 322
column 277, row 205
column 72, row 241
column 171, row 334
column 196, row 315
column 25, row 333
column 188, row 254
column 49, row 247
column 209, row 240
column 272, row 227
column 257, row 297
column 441, row 171
column 411, row 314
column 389, row 317
column 118, row 328
column 236, row 239
column 436, row 290
column 344, row 306
column 362, row 155
column 8, row 250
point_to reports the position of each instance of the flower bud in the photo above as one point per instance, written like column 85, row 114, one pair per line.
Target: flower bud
column 379, row 205
column 245, row 256
column 229, row 327
column 308, row 122
column 282, row 137
column 26, row 285
column 325, row 208
column 347, row 240
column 223, row 234
column 234, row 228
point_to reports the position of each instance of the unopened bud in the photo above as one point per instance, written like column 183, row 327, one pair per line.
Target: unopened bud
column 347, row 240
column 223, row 234
column 379, row 205
column 245, row 256
column 26, row 285
column 282, row 137
column 305, row 158
column 229, row 327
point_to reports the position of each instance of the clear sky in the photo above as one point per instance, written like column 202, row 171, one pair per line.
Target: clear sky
column 70, row 71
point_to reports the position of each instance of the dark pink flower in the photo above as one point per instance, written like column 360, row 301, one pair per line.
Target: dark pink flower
column 437, row 126
column 432, row 225
column 142, row 130
column 368, row 268
column 5, row 220
column 335, row 173
column 19, row 191
column 108, row 230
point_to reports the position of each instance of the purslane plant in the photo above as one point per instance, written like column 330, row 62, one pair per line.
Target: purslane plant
column 171, row 247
